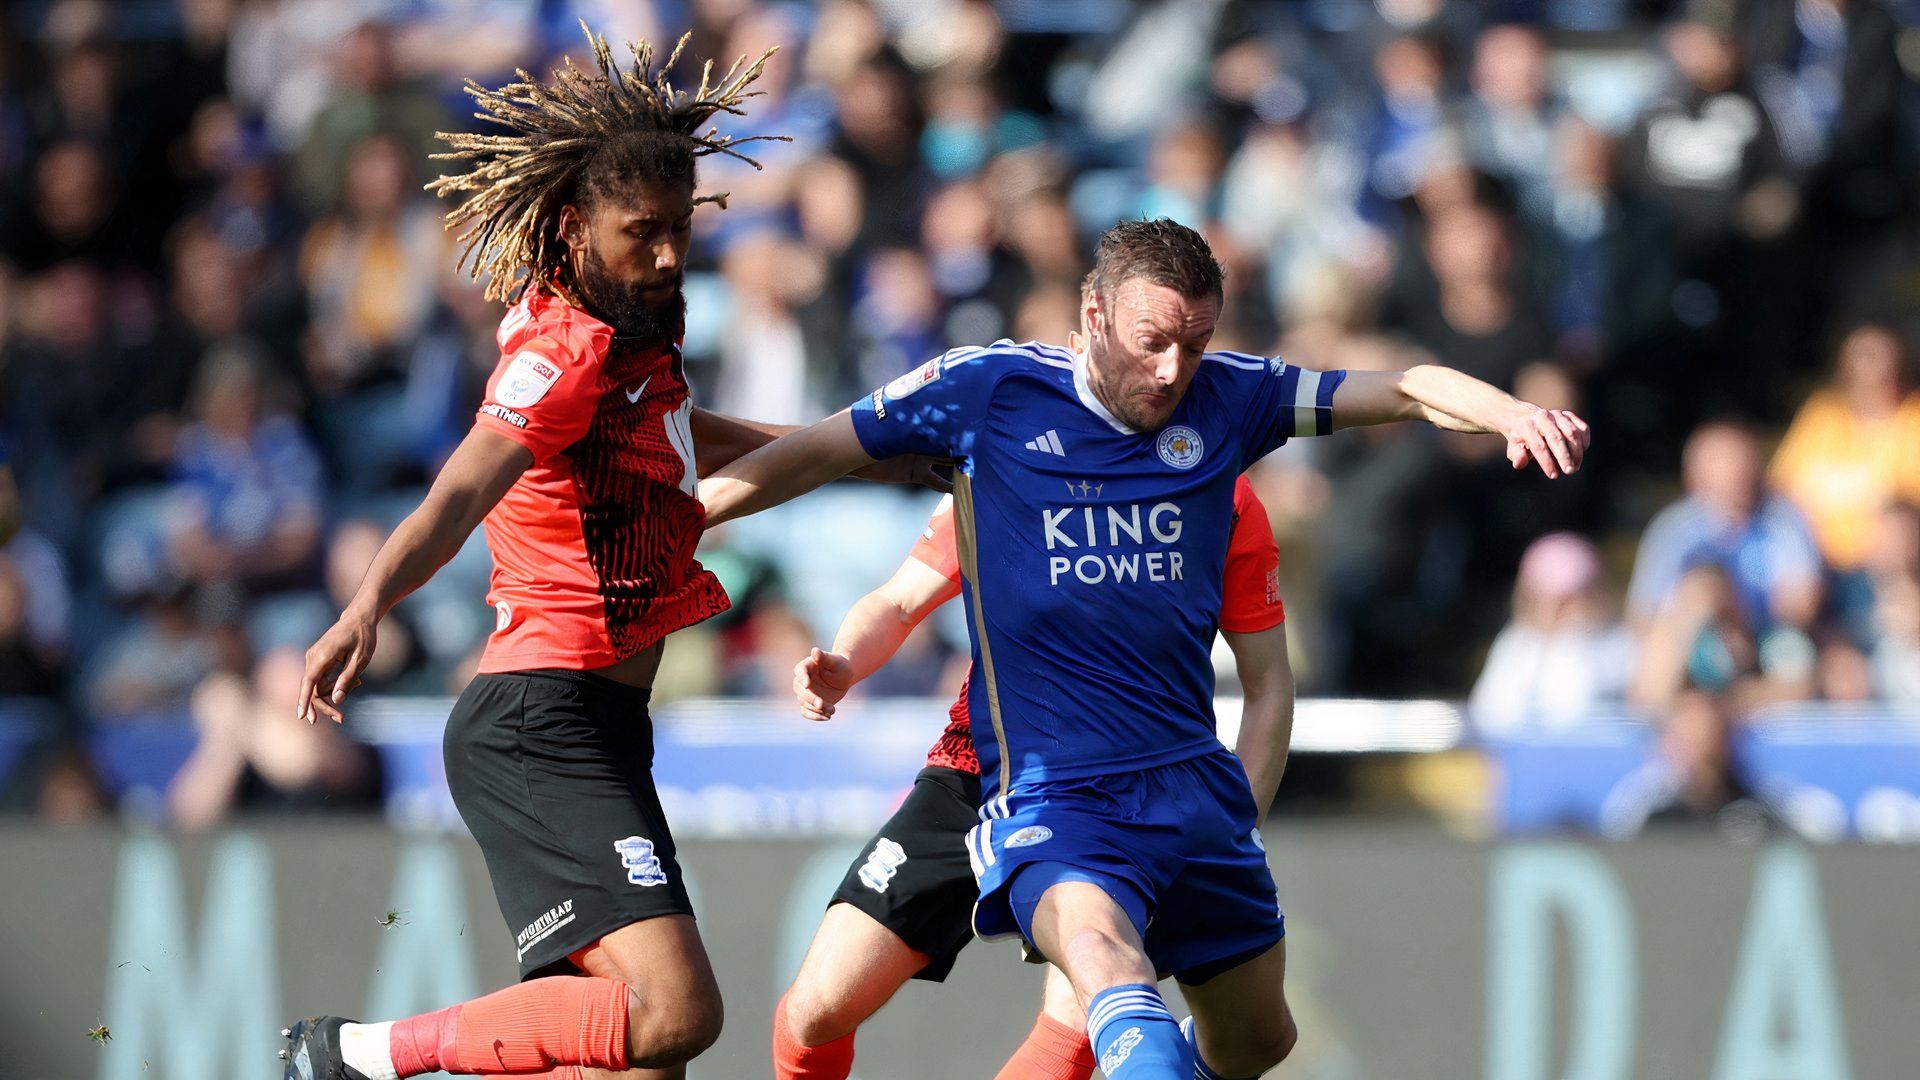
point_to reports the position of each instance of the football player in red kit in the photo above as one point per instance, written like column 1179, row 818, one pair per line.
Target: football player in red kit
column 582, row 462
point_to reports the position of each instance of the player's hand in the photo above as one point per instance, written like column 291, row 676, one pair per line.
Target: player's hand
column 820, row 681
column 1555, row 439
column 334, row 665
column 915, row 470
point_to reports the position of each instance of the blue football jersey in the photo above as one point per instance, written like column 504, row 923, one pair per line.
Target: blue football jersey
column 1092, row 555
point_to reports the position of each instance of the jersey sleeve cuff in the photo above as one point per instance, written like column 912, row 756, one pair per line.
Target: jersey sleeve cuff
column 504, row 421
column 869, row 416
column 1255, row 625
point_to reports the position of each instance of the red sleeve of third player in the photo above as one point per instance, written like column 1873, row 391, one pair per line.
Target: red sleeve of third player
column 543, row 396
column 936, row 547
column 1251, row 597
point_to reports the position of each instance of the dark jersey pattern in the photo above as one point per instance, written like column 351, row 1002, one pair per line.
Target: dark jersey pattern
column 636, row 479
column 593, row 547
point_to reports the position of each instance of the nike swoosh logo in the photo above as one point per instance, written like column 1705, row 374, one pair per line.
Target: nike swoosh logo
column 633, row 395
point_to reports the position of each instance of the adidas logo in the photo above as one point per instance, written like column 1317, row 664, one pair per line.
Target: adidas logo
column 1047, row 444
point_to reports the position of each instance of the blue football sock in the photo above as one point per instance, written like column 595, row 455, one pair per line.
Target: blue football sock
column 1135, row 1036
column 1201, row 1070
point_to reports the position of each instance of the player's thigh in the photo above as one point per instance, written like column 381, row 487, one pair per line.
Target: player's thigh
column 1241, row 1017
column 678, row 1012
column 1081, row 927
column 854, row 966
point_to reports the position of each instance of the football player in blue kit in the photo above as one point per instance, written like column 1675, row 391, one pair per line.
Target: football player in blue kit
column 1093, row 504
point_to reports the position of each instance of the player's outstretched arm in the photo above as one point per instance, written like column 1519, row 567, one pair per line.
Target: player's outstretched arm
column 720, row 440
column 1266, row 718
column 480, row 471
column 1554, row 438
column 874, row 629
column 784, row 469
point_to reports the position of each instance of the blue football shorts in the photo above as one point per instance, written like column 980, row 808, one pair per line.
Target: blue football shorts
column 1178, row 845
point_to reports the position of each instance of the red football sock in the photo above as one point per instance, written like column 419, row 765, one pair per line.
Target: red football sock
column 795, row 1060
column 564, row 1072
column 522, row 1030
column 1053, row 1051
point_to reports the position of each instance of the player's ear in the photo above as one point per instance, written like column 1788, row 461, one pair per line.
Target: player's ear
column 1090, row 312
column 573, row 227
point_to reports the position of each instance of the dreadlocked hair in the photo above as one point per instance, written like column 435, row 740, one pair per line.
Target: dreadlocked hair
column 574, row 137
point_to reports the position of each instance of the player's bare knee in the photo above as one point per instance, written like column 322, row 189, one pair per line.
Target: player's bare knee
column 1284, row 1041
column 1254, row 1052
column 815, row 1018
column 671, row 1031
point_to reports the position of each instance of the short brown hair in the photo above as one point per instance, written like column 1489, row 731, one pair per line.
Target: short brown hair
column 1161, row 251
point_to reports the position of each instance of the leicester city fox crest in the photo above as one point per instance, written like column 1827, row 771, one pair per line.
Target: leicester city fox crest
column 643, row 866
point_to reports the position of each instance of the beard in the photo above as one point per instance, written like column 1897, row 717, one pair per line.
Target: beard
column 624, row 305
column 1127, row 408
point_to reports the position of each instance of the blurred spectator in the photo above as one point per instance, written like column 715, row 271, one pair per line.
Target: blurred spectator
column 763, row 369
column 1693, row 779
column 1730, row 522
column 371, row 269
column 1475, row 319
column 1704, row 640
column 1828, row 75
column 1382, row 597
column 979, row 281
column 1408, row 129
column 370, row 97
column 73, row 211
column 152, row 662
column 897, row 319
column 1564, row 655
column 1183, row 175
column 57, row 386
column 247, row 494
column 1874, row 651
column 879, row 137
column 1511, row 117
column 1726, row 586
column 251, row 747
column 1854, row 447
column 1708, row 149
column 35, row 614
column 1607, row 250
column 1041, row 231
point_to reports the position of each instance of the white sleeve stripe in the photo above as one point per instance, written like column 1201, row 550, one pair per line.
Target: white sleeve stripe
column 1239, row 360
column 1050, row 355
column 1305, row 393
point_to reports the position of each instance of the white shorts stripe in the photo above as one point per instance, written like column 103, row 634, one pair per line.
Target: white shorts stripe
column 986, row 843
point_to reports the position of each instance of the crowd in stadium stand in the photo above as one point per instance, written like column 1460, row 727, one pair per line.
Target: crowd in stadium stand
column 234, row 345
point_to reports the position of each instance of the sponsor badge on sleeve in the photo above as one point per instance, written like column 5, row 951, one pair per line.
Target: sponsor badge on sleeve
column 914, row 380
column 526, row 380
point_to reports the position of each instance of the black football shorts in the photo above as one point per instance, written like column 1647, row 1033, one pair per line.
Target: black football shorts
column 553, row 773
column 913, row 877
